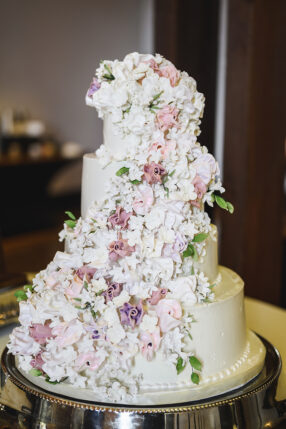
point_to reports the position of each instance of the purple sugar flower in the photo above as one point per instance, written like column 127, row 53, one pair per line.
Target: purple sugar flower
column 157, row 295
column 119, row 249
column 174, row 250
column 131, row 314
column 86, row 271
column 153, row 173
column 120, row 218
column 94, row 86
column 113, row 290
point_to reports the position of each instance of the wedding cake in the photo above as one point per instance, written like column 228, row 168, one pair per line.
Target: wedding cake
column 136, row 309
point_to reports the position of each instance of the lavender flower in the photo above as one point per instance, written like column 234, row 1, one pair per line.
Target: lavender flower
column 112, row 291
column 153, row 173
column 131, row 315
column 120, row 218
column 94, row 86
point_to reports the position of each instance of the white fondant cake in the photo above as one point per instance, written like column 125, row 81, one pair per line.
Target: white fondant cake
column 136, row 309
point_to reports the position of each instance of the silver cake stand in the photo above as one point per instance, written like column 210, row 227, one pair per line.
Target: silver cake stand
column 253, row 406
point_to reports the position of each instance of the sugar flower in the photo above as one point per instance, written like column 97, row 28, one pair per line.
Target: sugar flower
column 67, row 333
column 112, row 291
column 169, row 312
column 38, row 361
column 171, row 73
column 131, row 315
column 144, row 200
column 86, row 271
column 166, row 117
column 75, row 288
column 157, row 295
column 119, row 249
column 120, row 218
column 94, row 86
column 149, row 343
column 206, row 167
column 153, row 173
column 88, row 360
column 200, row 190
column 163, row 148
column 40, row 333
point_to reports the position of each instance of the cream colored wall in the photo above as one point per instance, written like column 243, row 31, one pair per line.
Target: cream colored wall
column 49, row 50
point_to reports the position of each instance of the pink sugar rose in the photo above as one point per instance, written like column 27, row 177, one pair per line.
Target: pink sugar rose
column 164, row 148
column 153, row 65
column 153, row 173
column 119, row 249
column 75, row 287
column 38, row 361
column 171, row 73
column 144, row 200
column 40, row 333
column 206, row 167
column 169, row 312
column 87, row 272
column 200, row 189
column 120, row 218
column 157, row 295
column 89, row 360
column 150, row 343
column 167, row 117
column 67, row 333
column 52, row 281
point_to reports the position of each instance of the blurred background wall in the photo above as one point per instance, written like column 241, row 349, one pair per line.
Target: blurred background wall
column 50, row 49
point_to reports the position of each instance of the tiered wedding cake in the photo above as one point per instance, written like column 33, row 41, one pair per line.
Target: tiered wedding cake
column 137, row 304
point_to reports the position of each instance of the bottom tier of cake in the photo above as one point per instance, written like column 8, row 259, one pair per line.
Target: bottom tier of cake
column 244, row 370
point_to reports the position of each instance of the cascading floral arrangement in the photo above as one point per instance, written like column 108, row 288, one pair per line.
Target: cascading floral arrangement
column 131, row 272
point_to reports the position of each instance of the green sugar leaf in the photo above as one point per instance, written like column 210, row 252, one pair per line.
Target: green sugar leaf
column 28, row 287
column 191, row 251
column 36, row 372
column 135, row 182
column 195, row 363
column 20, row 295
column 192, row 271
column 198, row 238
column 157, row 96
column 172, row 173
column 195, row 378
column 189, row 335
column 70, row 215
column 85, row 285
column 71, row 223
column 122, row 170
column 180, row 365
column 221, row 202
column 230, row 207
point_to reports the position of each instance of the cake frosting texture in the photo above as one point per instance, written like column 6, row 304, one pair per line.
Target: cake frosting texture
column 137, row 303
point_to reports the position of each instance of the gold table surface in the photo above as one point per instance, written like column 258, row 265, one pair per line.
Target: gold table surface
column 265, row 319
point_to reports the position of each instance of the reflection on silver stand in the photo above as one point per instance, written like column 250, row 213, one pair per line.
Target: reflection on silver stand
column 23, row 406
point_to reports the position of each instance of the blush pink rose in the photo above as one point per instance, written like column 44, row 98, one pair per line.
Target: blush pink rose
column 89, row 360
column 167, row 117
column 206, row 167
column 164, row 148
column 38, row 361
column 40, row 333
column 153, row 173
column 144, row 200
column 120, row 249
column 120, row 218
column 200, row 190
column 153, row 65
column 67, row 333
column 75, row 287
column 169, row 312
column 149, row 343
column 157, row 295
column 171, row 73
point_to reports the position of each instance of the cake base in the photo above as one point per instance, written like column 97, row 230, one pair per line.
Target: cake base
column 244, row 370
column 251, row 406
